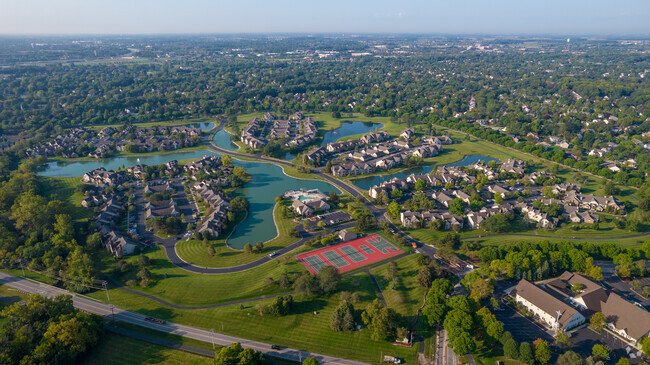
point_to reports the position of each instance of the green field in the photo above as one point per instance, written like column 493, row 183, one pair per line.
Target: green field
column 64, row 189
column 303, row 329
column 407, row 297
column 121, row 350
column 151, row 124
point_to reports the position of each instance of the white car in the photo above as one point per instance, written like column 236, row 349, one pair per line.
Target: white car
column 272, row 254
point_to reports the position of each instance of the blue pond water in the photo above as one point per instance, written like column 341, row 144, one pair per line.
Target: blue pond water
column 268, row 182
column 222, row 139
column 368, row 182
column 349, row 129
column 206, row 126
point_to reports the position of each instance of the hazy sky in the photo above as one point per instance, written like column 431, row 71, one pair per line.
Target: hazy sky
column 332, row 16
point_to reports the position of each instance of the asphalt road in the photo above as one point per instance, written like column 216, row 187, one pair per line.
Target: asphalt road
column 117, row 314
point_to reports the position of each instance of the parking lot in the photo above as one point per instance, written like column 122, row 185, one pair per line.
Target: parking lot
column 623, row 288
column 521, row 328
column 584, row 340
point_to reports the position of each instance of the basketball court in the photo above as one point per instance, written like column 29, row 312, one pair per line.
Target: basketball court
column 350, row 255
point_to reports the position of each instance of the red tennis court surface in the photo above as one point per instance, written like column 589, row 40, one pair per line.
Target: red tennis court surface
column 350, row 255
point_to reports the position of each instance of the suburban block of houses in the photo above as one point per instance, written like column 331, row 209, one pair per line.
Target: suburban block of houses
column 80, row 142
column 296, row 131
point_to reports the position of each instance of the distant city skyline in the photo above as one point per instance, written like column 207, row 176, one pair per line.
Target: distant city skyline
column 552, row 17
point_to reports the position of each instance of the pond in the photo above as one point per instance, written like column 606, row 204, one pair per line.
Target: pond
column 204, row 126
column 268, row 182
column 222, row 139
column 349, row 129
column 366, row 183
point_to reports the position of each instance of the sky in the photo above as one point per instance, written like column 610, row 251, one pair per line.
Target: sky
column 554, row 17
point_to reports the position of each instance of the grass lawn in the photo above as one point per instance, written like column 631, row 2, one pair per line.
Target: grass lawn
column 117, row 349
column 151, row 124
column 10, row 295
column 408, row 296
column 194, row 252
column 302, row 329
column 64, row 189
column 189, row 289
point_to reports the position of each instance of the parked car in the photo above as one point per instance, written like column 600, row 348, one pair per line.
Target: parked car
column 275, row 347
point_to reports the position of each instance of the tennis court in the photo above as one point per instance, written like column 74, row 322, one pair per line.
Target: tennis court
column 335, row 258
column 350, row 255
column 381, row 244
column 316, row 262
column 367, row 249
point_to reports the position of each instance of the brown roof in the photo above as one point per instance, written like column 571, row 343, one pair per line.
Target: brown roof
column 545, row 301
column 626, row 316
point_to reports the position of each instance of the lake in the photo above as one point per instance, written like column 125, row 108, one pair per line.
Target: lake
column 222, row 139
column 366, row 183
column 205, row 126
column 349, row 129
column 268, row 182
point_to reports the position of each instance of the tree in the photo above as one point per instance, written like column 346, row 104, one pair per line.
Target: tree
column 226, row 160
column 381, row 321
column 498, row 199
column 239, row 204
column 645, row 346
column 610, row 188
column 480, row 289
column 235, row 354
column 307, row 285
column 597, row 321
column 329, row 279
column 526, row 353
column 457, row 206
column 435, row 304
column 563, row 340
column 570, row 358
column 248, row 248
column 424, row 277
column 623, row 361
column 310, row 361
column 392, row 271
column 542, row 351
column 420, row 185
column 334, row 197
column 463, row 343
column 44, row 331
column 283, row 281
column 600, row 351
column 511, row 349
column 394, row 209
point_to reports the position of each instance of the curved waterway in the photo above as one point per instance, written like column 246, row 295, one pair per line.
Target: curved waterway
column 268, row 182
column 366, row 183
column 222, row 139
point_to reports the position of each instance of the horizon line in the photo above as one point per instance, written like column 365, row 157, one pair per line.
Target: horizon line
column 340, row 34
